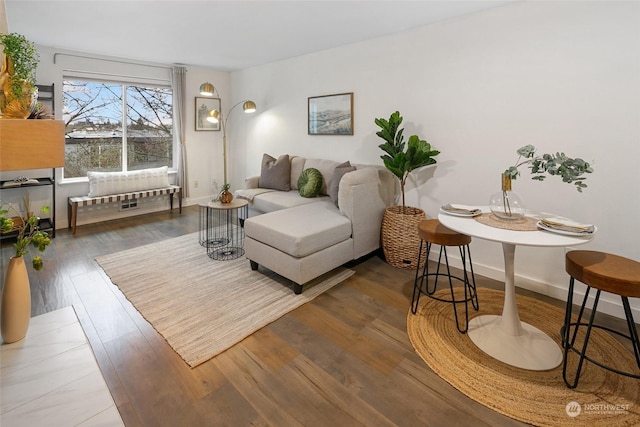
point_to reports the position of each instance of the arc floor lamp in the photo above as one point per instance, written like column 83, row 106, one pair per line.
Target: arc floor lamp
column 215, row 116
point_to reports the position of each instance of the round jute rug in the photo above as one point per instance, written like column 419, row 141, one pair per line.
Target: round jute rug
column 602, row 398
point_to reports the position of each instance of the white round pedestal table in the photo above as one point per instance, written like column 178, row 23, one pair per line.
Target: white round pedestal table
column 505, row 337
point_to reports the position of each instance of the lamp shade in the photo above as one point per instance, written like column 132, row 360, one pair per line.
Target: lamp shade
column 249, row 107
column 213, row 116
column 207, row 89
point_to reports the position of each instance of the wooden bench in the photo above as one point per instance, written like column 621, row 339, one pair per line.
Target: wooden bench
column 74, row 202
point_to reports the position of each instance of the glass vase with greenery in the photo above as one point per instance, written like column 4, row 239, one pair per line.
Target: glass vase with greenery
column 507, row 205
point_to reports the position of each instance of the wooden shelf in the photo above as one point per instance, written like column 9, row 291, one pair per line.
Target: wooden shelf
column 31, row 144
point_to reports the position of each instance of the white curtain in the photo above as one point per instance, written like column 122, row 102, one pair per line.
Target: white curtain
column 178, row 82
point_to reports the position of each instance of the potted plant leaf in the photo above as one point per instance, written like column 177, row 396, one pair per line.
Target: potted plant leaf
column 400, row 240
column 18, row 76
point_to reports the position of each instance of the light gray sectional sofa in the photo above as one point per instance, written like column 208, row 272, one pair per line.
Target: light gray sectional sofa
column 302, row 238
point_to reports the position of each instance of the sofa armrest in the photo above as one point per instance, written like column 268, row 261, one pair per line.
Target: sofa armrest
column 251, row 182
column 363, row 196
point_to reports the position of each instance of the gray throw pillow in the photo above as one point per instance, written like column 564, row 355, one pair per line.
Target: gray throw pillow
column 274, row 173
column 338, row 173
column 310, row 182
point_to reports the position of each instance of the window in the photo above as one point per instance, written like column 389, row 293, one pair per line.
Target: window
column 116, row 127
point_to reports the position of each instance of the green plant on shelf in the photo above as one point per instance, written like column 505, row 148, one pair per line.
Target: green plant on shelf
column 19, row 61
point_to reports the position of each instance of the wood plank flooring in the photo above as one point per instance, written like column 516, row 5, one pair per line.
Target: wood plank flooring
column 343, row 359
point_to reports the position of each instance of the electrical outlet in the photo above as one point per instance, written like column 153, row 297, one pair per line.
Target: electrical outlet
column 195, row 184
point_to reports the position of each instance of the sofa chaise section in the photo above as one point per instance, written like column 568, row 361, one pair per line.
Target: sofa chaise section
column 302, row 238
column 300, row 243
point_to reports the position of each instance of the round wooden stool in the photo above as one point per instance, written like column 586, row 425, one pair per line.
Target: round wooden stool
column 603, row 272
column 431, row 232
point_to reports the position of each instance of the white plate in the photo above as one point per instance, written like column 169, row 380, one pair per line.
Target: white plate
column 565, row 232
column 463, row 215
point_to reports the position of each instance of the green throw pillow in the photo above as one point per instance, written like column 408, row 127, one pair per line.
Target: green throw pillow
column 310, row 182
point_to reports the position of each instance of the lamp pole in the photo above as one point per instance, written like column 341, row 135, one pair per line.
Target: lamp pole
column 223, row 123
column 215, row 116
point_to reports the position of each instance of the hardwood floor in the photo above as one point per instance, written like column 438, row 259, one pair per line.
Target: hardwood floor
column 343, row 359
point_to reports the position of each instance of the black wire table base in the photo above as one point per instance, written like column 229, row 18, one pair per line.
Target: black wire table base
column 221, row 229
column 214, row 243
column 226, row 254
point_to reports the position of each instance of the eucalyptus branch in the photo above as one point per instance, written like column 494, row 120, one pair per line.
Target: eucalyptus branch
column 571, row 170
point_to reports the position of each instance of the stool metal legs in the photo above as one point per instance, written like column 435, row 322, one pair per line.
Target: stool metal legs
column 569, row 333
column 421, row 283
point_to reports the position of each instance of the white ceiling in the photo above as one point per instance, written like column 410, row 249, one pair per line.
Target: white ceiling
column 225, row 35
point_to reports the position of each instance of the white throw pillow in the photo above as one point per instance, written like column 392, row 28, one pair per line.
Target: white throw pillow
column 108, row 183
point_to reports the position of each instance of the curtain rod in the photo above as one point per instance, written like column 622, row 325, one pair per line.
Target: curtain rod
column 109, row 60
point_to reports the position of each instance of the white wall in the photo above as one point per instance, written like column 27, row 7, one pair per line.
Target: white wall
column 563, row 76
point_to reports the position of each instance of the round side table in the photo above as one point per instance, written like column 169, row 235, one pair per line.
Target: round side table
column 221, row 228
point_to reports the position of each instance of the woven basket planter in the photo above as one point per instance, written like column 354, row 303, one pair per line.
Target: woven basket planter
column 400, row 241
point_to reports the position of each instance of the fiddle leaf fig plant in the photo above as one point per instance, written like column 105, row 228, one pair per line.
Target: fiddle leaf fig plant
column 571, row 170
column 397, row 159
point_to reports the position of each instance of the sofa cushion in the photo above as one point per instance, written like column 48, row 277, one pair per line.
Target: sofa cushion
column 297, row 166
column 250, row 193
column 338, row 173
column 326, row 168
column 107, row 183
column 275, row 174
column 301, row 230
column 309, row 183
column 276, row 200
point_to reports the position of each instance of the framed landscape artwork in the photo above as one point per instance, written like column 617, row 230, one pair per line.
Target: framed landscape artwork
column 203, row 106
column 331, row 114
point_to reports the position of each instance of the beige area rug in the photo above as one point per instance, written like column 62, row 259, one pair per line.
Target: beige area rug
column 201, row 306
column 539, row 398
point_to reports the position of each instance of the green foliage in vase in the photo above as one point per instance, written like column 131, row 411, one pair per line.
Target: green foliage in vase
column 23, row 58
column 570, row 170
column 29, row 234
column 396, row 159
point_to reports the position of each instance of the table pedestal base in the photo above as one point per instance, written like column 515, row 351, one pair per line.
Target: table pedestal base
column 532, row 349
